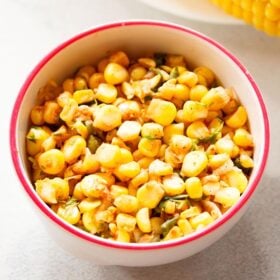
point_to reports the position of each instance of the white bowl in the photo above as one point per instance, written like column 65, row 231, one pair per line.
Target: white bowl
column 138, row 38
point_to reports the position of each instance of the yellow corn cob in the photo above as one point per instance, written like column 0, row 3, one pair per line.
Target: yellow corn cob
column 262, row 14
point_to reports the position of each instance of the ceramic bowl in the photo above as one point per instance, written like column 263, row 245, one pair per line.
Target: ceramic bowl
column 138, row 38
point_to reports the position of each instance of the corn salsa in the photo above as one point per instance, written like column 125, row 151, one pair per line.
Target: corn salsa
column 141, row 149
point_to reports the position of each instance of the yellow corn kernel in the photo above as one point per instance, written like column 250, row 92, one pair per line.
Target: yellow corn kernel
column 83, row 96
column 227, row 196
column 174, row 232
column 89, row 205
column 70, row 214
column 129, row 130
column 272, row 12
column 77, row 192
column 180, row 116
column 275, row 3
column 125, row 222
column 212, row 208
column 224, row 146
column 238, row 118
column 206, row 73
column 108, row 177
column 86, row 71
column 52, row 161
column 122, row 236
column 129, row 109
column 35, row 138
column 211, row 188
column 95, row 80
column 138, row 180
column 73, row 148
column 194, row 163
column 102, row 64
column 89, row 222
column 185, row 226
column 37, row 115
column 106, row 93
column 52, row 190
column 152, row 130
column 93, row 186
column 156, row 223
column 49, row 143
column 116, row 190
column 145, row 162
column 194, row 187
column 217, row 160
column 127, row 170
column 126, row 203
column 147, row 62
column 51, row 112
column 181, row 92
column 215, row 99
column 149, row 148
column 231, row 106
column 197, row 130
column 115, row 73
column 119, row 57
column 180, row 144
column 169, row 207
column 190, row 212
column 188, row 78
column 202, row 219
column 194, row 110
column 243, row 138
column 87, row 165
column 246, row 161
column 68, row 112
column 80, row 83
column 160, row 168
column 202, row 80
column 173, row 60
column 68, row 85
column 143, row 220
column 150, row 194
column 172, row 129
column 236, row 178
column 173, row 185
column 108, row 155
column 161, row 111
column 107, row 118
column 197, row 92
column 125, row 156
column 138, row 73
column 174, row 159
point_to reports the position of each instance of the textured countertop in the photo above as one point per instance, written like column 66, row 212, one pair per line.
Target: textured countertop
column 29, row 29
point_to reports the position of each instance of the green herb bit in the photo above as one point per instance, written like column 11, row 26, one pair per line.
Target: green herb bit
column 71, row 202
column 167, row 225
column 174, row 73
column 212, row 138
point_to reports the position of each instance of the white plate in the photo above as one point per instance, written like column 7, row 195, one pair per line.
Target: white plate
column 202, row 10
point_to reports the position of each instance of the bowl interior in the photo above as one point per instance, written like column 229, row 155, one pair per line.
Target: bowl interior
column 142, row 39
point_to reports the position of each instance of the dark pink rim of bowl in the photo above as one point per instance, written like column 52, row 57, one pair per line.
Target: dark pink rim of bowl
column 103, row 242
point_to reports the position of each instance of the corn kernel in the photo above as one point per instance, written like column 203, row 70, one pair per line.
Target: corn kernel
column 197, row 92
column 89, row 205
column 52, row 161
column 161, row 111
column 35, row 138
column 174, row 232
column 238, row 118
column 227, row 196
column 194, row 187
column 116, row 190
column 160, row 168
column 152, row 130
column 193, row 111
column 190, row 212
column 108, row 155
column 125, row 222
column 243, row 138
column 149, row 148
column 70, row 214
column 202, row 219
column 172, row 129
column 119, row 57
column 150, row 194
column 127, row 170
column 93, row 186
column 73, row 148
column 89, row 222
column 194, row 163
column 215, row 99
column 83, row 96
column 236, row 178
column 180, row 144
column 173, row 185
column 95, row 80
column 126, row 203
column 197, row 130
column 188, row 78
column 206, row 73
column 115, row 73
column 143, row 220
column 185, row 226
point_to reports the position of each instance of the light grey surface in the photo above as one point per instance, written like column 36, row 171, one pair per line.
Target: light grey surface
column 29, row 29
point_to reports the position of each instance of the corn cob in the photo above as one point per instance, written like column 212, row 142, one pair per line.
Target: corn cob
column 262, row 14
